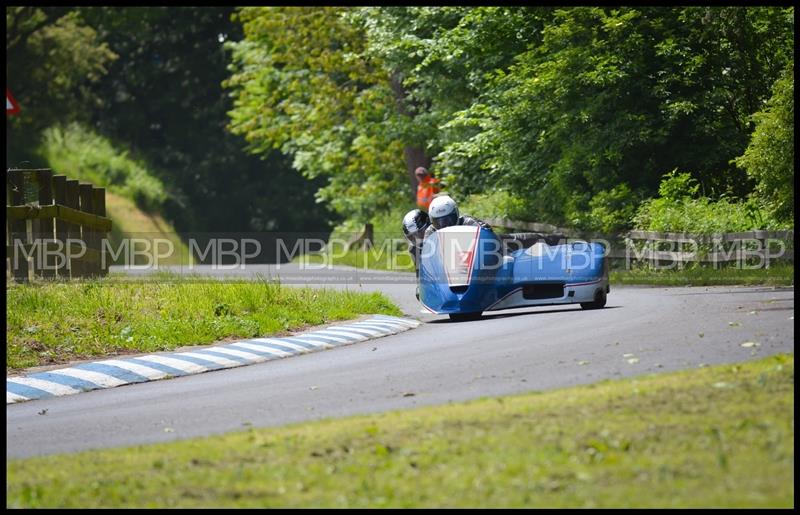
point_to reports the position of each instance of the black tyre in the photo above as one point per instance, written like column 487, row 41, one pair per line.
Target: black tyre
column 599, row 301
column 464, row 317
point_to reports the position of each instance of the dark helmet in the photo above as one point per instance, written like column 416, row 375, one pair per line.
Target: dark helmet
column 415, row 223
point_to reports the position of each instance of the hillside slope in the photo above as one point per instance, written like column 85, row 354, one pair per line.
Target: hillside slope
column 133, row 223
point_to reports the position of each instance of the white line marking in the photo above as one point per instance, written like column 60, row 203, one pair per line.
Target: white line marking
column 136, row 368
column 47, row 386
column 238, row 353
column 291, row 345
column 392, row 328
column 353, row 327
column 184, row 366
column 337, row 338
column 355, row 336
column 403, row 321
column 272, row 349
column 97, row 378
column 315, row 343
column 225, row 362
column 13, row 397
column 260, row 348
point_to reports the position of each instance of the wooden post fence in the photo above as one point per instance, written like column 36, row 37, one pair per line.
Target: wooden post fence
column 55, row 227
column 676, row 249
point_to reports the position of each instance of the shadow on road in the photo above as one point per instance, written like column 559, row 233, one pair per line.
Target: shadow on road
column 770, row 289
column 520, row 313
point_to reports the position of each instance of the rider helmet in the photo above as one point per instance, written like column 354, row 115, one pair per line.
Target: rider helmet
column 443, row 212
column 415, row 223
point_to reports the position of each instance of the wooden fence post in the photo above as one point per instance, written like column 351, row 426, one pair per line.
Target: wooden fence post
column 46, row 267
column 43, row 213
column 88, row 234
column 61, row 231
column 99, row 204
column 15, row 190
column 72, row 199
column 368, row 236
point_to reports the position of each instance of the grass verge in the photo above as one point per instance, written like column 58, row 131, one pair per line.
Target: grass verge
column 128, row 221
column 50, row 323
column 394, row 260
column 389, row 251
column 776, row 275
column 714, row 437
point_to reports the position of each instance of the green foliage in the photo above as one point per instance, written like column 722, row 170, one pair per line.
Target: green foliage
column 575, row 112
column 611, row 211
column 680, row 209
column 497, row 204
column 80, row 153
column 53, row 59
column 302, row 84
column 614, row 96
column 677, row 186
column 166, row 100
column 769, row 158
column 149, row 79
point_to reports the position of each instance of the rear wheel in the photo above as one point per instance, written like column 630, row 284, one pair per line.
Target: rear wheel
column 463, row 317
column 599, row 301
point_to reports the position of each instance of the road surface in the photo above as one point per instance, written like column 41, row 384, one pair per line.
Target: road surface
column 642, row 330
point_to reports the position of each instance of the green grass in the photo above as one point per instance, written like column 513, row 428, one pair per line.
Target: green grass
column 389, row 250
column 776, row 275
column 50, row 323
column 80, row 153
column 128, row 221
column 133, row 193
column 373, row 259
column 712, row 437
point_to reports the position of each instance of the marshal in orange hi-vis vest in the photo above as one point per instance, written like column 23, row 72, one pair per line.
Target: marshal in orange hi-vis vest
column 426, row 189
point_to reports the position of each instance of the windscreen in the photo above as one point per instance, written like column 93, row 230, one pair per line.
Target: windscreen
column 457, row 246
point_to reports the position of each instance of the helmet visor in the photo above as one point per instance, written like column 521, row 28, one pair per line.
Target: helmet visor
column 445, row 221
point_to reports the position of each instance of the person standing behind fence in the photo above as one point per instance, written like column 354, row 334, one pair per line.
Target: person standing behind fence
column 427, row 187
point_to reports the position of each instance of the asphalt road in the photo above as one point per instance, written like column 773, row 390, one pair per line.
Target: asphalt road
column 506, row 352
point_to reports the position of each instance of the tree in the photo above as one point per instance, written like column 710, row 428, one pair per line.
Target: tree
column 53, row 61
column 611, row 98
column 443, row 58
column 576, row 112
column 165, row 99
column 302, row 84
column 769, row 158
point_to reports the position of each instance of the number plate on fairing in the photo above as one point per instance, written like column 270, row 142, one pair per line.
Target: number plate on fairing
column 457, row 246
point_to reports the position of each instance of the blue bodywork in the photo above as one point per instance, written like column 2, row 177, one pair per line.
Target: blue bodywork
column 524, row 277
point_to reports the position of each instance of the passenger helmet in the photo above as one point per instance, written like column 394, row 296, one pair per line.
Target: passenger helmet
column 443, row 212
column 415, row 223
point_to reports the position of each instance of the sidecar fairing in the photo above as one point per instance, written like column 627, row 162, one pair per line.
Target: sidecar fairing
column 464, row 271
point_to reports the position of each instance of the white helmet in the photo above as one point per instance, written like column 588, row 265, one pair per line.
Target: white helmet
column 443, row 212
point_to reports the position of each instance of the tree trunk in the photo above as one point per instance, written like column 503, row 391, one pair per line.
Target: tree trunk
column 414, row 153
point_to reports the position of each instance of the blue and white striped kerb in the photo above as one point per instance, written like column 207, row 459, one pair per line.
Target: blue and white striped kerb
column 117, row 372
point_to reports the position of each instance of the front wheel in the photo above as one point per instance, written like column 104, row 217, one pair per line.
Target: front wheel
column 599, row 301
column 464, row 317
